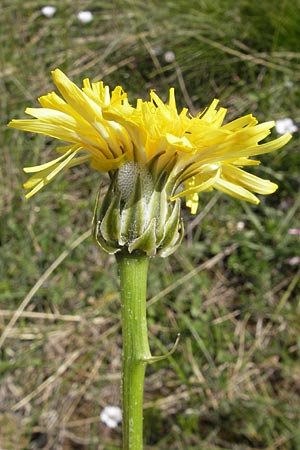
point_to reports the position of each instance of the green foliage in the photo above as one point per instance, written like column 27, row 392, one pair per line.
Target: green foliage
column 233, row 383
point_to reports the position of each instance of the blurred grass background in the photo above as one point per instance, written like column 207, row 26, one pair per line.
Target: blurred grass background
column 232, row 289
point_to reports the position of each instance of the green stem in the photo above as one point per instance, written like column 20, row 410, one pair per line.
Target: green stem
column 133, row 270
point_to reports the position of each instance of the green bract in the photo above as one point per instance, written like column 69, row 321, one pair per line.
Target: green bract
column 137, row 215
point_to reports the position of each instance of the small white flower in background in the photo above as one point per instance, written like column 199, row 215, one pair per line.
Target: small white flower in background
column 294, row 261
column 169, row 56
column 48, row 11
column 111, row 416
column 85, row 16
column 289, row 84
column 285, row 126
column 295, row 231
column 156, row 50
column 240, row 226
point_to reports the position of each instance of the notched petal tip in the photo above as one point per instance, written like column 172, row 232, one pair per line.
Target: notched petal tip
column 57, row 72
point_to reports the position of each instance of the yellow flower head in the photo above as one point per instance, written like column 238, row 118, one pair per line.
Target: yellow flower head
column 192, row 154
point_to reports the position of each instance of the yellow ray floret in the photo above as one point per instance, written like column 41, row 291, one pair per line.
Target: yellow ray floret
column 194, row 154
